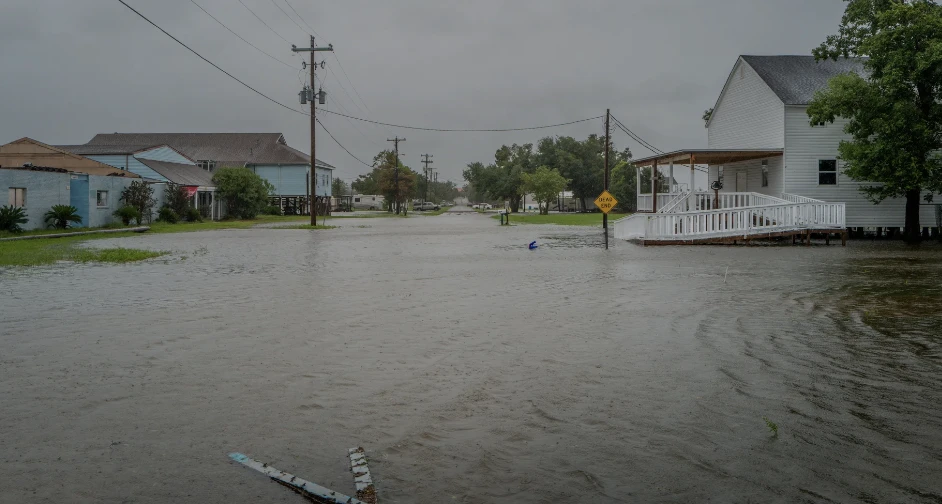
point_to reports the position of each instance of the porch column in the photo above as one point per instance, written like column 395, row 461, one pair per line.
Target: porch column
column 670, row 181
column 693, row 176
column 196, row 199
column 654, row 178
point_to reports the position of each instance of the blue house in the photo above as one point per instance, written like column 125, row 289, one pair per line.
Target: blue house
column 36, row 176
column 266, row 154
column 160, row 165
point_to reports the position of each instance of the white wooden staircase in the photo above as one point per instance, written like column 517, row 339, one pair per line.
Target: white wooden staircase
column 702, row 218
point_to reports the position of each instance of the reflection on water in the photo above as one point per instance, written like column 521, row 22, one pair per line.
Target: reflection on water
column 475, row 370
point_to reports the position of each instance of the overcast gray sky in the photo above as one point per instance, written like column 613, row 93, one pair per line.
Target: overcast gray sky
column 72, row 68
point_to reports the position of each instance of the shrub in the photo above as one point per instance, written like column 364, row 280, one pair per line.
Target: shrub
column 167, row 215
column 245, row 193
column 127, row 213
column 140, row 195
column 192, row 215
column 61, row 216
column 11, row 217
column 272, row 210
column 177, row 198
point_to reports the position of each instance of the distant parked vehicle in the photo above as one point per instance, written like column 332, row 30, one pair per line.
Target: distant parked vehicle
column 368, row 202
column 427, row 206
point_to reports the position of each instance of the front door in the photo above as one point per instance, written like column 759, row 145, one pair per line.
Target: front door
column 741, row 181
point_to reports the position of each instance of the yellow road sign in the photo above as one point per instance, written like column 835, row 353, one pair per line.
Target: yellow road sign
column 606, row 202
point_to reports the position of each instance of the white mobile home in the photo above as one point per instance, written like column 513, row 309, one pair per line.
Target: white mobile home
column 763, row 152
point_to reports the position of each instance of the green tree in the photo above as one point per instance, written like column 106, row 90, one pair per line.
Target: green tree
column 367, row 184
column 386, row 176
column 545, row 184
column 140, row 195
column 61, row 216
column 244, row 192
column 894, row 112
column 177, row 198
column 339, row 188
column 707, row 115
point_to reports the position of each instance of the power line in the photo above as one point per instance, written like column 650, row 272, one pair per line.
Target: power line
column 217, row 67
column 465, row 130
column 633, row 135
column 260, row 19
column 289, row 17
column 340, row 144
column 276, row 102
column 340, row 83
column 352, row 84
column 301, row 18
column 241, row 38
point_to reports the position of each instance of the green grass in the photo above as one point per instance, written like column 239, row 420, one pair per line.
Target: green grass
column 40, row 232
column 304, row 226
column 40, row 252
column 773, row 427
column 566, row 219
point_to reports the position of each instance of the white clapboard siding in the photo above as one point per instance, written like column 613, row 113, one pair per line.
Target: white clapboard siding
column 753, row 171
column 748, row 115
column 806, row 145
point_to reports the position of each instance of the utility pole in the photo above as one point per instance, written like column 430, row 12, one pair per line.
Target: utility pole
column 320, row 96
column 427, row 159
column 396, row 172
column 608, row 137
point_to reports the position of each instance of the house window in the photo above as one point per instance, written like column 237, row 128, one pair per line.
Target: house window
column 765, row 174
column 207, row 165
column 102, row 199
column 356, row 200
column 18, row 196
column 827, row 172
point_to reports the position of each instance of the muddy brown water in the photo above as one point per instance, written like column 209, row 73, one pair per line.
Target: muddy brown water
column 473, row 369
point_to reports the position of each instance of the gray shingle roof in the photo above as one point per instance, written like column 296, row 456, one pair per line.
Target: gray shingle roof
column 103, row 150
column 188, row 175
column 231, row 148
column 795, row 79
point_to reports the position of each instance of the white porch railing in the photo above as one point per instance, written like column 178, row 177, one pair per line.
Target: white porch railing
column 794, row 198
column 731, row 222
column 709, row 201
column 646, row 201
column 678, row 204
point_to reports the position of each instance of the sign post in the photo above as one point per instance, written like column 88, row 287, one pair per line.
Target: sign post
column 606, row 202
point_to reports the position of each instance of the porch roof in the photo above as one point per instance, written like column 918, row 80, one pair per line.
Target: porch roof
column 708, row 156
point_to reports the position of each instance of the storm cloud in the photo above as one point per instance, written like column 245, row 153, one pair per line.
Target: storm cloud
column 70, row 69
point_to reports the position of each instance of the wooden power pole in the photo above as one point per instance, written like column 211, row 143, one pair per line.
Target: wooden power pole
column 608, row 136
column 427, row 159
column 396, row 172
column 313, row 49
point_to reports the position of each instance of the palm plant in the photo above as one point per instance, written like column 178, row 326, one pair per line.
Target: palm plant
column 60, row 216
column 11, row 217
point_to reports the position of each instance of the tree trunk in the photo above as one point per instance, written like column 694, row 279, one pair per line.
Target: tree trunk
column 912, row 231
column 515, row 204
column 582, row 201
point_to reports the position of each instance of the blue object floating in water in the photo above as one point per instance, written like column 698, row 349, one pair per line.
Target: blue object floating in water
column 533, row 245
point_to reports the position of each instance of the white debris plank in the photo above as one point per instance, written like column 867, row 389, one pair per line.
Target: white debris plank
column 306, row 488
column 366, row 491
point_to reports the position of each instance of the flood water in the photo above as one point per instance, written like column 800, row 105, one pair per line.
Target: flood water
column 474, row 370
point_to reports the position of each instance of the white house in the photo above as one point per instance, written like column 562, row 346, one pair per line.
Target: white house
column 764, row 152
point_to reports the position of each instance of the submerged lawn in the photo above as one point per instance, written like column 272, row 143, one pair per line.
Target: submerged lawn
column 48, row 251
column 565, row 219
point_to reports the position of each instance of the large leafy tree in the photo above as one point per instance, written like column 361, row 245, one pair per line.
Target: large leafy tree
column 244, row 192
column 339, row 188
column 545, row 184
column 386, row 178
column 894, row 112
column 503, row 180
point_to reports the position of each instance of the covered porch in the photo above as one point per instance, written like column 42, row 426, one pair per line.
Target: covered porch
column 680, row 169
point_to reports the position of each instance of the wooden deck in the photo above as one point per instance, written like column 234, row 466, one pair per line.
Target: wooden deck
column 803, row 236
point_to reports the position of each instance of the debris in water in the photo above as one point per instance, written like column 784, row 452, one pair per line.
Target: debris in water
column 366, row 492
column 533, row 245
column 308, row 490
